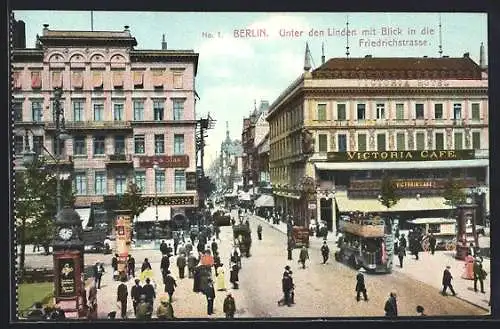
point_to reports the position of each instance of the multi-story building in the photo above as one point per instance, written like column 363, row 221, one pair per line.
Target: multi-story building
column 255, row 129
column 128, row 111
column 335, row 131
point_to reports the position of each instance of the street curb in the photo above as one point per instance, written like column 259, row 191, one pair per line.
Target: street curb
column 474, row 304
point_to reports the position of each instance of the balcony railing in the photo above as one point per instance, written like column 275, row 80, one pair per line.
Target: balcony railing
column 119, row 159
column 79, row 125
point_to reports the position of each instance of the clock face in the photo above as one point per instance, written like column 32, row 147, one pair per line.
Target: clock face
column 65, row 233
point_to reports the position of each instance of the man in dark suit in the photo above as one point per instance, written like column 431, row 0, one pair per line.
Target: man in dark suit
column 210, row 294
column 287, row 286
column 149, row 291
column 136, row 293
column 432, row 243
column 170, row 285
column 165, row 265
column 447, row 277
column 391, row 306
column 131, row 266
column 122, row 295
column 478, row 274
column 360, row 287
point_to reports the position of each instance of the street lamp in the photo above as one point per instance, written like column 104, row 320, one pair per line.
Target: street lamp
column 61, row 134
column 155, row 167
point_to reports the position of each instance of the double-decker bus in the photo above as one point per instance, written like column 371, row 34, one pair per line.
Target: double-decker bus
column 367, row 242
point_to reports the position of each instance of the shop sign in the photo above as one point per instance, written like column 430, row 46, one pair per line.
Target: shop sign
column 67, row 283
column 425, row 155
column 173, row 201
column 165, row 161
column 407, row 184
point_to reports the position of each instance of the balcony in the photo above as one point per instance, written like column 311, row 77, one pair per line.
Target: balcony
column 92, row 125
column 119, row 160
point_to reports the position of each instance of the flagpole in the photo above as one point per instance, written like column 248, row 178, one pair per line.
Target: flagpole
column 92, row 20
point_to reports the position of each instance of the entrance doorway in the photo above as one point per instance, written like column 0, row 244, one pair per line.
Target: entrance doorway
column 326, row 212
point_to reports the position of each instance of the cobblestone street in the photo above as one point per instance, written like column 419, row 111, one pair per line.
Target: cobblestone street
column 321, row 290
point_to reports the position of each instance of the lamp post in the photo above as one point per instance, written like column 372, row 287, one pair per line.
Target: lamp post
column 60, row 135
column 155, row 167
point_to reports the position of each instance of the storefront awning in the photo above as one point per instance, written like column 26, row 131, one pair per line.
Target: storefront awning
column 264, row 201
column 84, row 216
column 149, row 215
column 402, row 165
column 404, row 204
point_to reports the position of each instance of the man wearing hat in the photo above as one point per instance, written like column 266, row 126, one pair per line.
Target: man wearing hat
column 360, row 287
column 122, row 296
column 170, row 285
column 149, row 291
column 479, row 274
column 210, row 294
column 325, row 252
column 447, row 277
column 135, row 294
column 229, row 307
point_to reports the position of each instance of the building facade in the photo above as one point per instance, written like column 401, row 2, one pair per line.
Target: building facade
column 127, row 111
column 337, row 130
column 255, row 130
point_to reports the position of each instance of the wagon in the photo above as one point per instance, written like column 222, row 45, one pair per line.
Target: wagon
column 443, row 229
column 242, row 234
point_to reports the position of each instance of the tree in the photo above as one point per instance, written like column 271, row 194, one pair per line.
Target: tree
column 454, row 193
column 388, row 197
column 36, row 205
column 132, row 200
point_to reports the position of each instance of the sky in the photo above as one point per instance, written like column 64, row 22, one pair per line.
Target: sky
column 235, row 71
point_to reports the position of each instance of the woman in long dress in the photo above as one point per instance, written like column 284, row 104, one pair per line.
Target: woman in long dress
column 220, row 280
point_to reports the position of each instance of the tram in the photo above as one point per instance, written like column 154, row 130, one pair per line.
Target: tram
column 367, row 242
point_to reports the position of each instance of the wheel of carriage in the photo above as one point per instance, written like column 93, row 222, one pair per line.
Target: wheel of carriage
column 450, row 245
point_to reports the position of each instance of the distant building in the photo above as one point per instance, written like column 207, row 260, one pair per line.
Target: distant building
column 335, row 131
column 230, row 167
column 255, row 130
column 125, row 109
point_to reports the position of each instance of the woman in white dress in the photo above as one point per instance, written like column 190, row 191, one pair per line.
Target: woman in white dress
column 220, row 280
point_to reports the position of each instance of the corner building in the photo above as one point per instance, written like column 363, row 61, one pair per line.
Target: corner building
column 337, row 129
column 125, row 110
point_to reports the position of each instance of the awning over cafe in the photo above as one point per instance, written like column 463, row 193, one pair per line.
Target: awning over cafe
column 149, row 215
column 402, row 165
column 264, row 201
column 84, row 216
column 346, row 204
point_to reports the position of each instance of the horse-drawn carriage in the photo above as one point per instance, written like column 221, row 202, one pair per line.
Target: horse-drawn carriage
column 443, row 229
column 221, row 218
column 243, row 237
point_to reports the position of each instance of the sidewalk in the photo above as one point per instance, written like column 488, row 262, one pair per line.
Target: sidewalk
column 429, row 269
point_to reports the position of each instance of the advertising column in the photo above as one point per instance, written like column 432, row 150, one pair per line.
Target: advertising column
column 123, row 235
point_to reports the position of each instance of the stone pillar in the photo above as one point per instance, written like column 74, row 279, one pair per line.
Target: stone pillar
column 334, row 217
column 318, row 207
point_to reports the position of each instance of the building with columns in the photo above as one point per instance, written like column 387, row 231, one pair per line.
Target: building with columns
column 336, row 130
column 126, row 110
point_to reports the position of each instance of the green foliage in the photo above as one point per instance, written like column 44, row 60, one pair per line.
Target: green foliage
column 36, row 203
column 388, row 196
column 30, row 293
column 454, row 193
column 132, row 200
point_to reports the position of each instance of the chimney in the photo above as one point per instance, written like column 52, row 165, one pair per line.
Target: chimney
column 307, row 59
column 19, row 34
column 466, row 55
column 163, row 43
column 482, row 60
column 368, row 56
column 446, row 56
column 126, row 28
column 425, row 56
